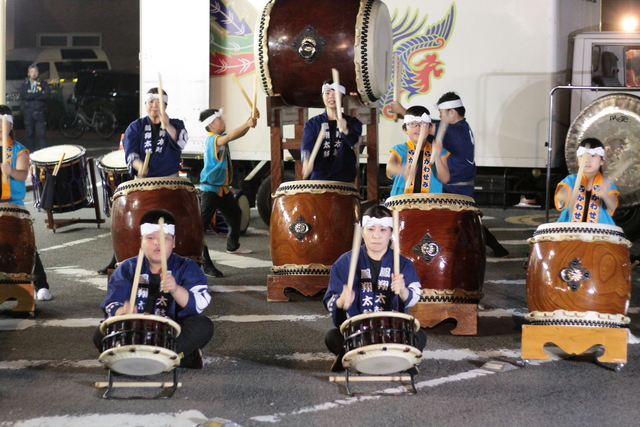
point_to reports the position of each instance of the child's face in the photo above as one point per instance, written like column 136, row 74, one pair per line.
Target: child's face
column 413, row 130
column 9, row 127
column 218, row 126
column 376, row 238
column 151, row 246
column 592, row 163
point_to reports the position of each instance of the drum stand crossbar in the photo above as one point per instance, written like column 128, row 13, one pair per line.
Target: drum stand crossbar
column 110, row 384
column 408, row 375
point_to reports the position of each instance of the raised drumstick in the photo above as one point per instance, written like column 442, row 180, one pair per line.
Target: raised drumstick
column 161, row 100
column 397, row 78
column 314, row 152
column 576, row 186
column 411, row 173
column 163, row 250
column 136, row 280
column 355, row 253
column 439, row 136
column 338, row 94
column 244, row 94
column 254, row 109
column 396, row 243
column 5, row 136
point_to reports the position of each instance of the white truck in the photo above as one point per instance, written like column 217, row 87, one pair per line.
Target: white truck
column 503, row 57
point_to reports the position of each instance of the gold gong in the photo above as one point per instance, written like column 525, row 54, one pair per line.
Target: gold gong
column 614, row 120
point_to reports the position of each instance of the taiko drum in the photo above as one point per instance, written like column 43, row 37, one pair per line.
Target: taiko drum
column 17, row 243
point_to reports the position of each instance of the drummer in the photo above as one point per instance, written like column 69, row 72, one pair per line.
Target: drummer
column 336, row 159
column 597, row 197
column 375, row 287
column 180, row 294
column 425, row 180
column 16, row 167
column 158, row 136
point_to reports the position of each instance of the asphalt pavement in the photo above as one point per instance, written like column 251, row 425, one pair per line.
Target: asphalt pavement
column 267, row 363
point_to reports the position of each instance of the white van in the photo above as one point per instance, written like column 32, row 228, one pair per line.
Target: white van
column 58, row 66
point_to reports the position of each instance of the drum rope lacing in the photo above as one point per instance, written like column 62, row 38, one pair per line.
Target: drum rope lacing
column 315, row 188
column 135, row 185
column 580, row 230
column 307, row 269
column 366, row 18
column 386, row 334
column 430, row 202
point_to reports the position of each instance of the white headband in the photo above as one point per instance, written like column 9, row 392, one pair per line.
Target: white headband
column 424, row 118
column 149, row 96
column 206, row 122
column 7, row 117
column 326, row 87
column 368, row 221
column 148, row 228
column 598, row 150
column 448, row 105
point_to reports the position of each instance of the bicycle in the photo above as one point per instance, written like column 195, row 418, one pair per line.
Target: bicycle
column 73, row 125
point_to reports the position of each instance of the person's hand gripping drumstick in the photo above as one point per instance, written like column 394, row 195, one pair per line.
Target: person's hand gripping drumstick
column 168, row 283
column 348, row 295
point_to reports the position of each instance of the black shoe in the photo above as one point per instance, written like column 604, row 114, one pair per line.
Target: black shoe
column 193, row 360
column 337, row 364
column 211, row 271
column 103, row 271
column 501, row 252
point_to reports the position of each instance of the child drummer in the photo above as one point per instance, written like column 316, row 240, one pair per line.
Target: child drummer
column 597, row 196
column 179, row 294
column 375, row 287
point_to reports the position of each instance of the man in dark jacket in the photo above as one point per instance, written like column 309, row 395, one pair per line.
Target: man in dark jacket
column 35, row 94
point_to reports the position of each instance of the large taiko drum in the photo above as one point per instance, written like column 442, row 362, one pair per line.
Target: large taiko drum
column 72, row 189
column 139, row 344
column 312, row 225
column 298, row 41
column 113, row 172
column 380, row 343
column 17, row 244
column 133, row 199
column 442, row 235
column 578, row 274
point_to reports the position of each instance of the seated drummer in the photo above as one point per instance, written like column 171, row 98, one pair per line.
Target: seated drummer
column 181, row 294
column 375, row 285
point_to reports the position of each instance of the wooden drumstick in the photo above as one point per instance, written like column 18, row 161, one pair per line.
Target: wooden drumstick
column 314, row 152
column 576, row 186
column 161, row 100
column 254, row 109
column 411, row 173
column 244, row 94
column 145, row 165
column 57, row 168
column 442, row 129
column 355, row 253
column 338, row 94
column 397, row 78
column 136, row 280
column 396, row 244
column 5, row 142
column 163, row 250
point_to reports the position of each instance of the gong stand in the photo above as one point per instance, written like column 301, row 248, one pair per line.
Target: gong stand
column 167, row 388
column 575, row 340
column 53, row 224
column 430, row 314
column 408, row 375
column 280, row 114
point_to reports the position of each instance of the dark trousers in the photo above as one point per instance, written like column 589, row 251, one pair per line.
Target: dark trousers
column 41, row 276
column 334, row 341
column 35, row 123
column 195, row 333
column 230, row 210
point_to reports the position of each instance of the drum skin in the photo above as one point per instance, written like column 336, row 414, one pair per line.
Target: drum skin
column 326, row 219
column 113, row 172
column 433, row 223
column 17, row 240
column 606, row 290
column 135, row 198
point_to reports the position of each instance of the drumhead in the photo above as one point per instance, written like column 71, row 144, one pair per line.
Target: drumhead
column 124, row 317
column 585, row 231
column 52, row 155
column 427, row 201
column 382, row 359
column 139, row 360
column 114, row 160
column 316, row 187
column 361, row 317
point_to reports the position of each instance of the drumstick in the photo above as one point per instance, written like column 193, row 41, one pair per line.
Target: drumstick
column 55, row 170
column 441, row 131
column 396, row 244
column 145, row 165
column 396, row 81
column 576, row 186
column 338, row 94
column 411, row 173
column 5, row 139
column 163, row 250
column 314, row 152
column 161, row 95
column 254, row 111
column 355, row 253
column 136, row 279
column 236, row 81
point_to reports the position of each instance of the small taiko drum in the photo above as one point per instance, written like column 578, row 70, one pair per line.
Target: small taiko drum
column 133, row 199
column 578, row 274
column 380, row 343
column 139, row 344
column 17, row 244
column 71, row 183
column 311, row 225
column 442, row 235
column 303, row 41
column 113, row 172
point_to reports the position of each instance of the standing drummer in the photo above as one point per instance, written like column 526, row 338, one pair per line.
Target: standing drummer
column 179, row 294
column 336, row 159
column 375, row 287
column 158, row 136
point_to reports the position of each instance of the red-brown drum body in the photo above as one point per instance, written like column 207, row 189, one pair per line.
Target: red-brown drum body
column 575, row 268
column 380, row 343
column 139, row 344
column 442, row 235
column 312, row 225
column 113, row 172
column 72, row 190
column 17, row 244
column 135, row 198
column 298, row 41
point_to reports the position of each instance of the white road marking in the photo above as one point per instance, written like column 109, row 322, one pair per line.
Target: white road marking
column 238, row 261
column 75, row 242
column 189, row 418
column 270, row 318
column 490, row 259
column 514, row 242
column 81, row 275
column 506, row 282
column 224, row 289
